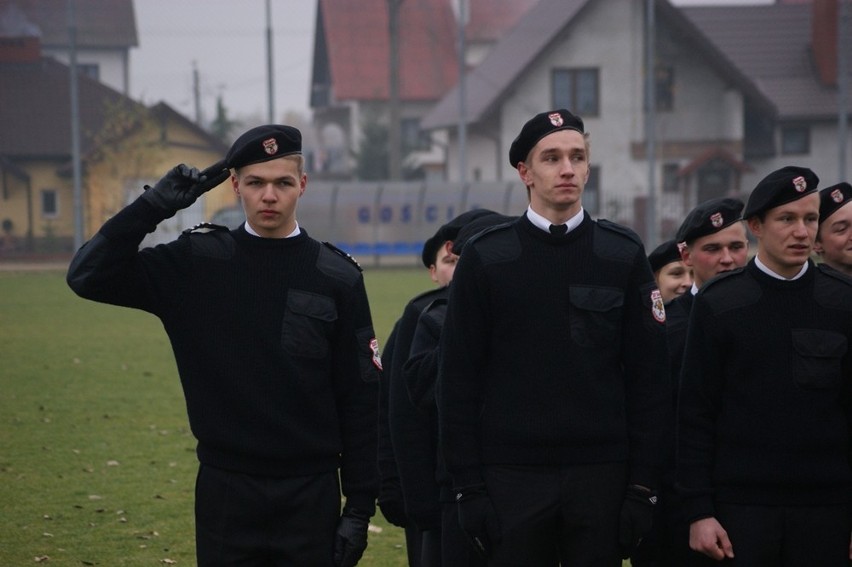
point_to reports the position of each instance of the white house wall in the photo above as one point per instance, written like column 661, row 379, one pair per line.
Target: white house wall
column 112, row 65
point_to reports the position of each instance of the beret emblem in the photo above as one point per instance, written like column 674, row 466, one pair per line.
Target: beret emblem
column 716, row 220
column 800, row 184
column 555, row 119
column 270, row 146
column 837, row 196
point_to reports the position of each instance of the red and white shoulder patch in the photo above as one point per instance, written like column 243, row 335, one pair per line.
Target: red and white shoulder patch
column 658, row 309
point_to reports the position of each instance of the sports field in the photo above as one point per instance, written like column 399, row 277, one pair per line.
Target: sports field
column 97, row 464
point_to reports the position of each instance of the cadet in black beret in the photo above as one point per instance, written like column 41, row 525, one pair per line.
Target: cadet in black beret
column 834, row 236
column 709, row 217
column 273, row 339
column 671, row 274
column 407, row 460
column 779, row 187
column 763, row 413
column 540, row 126
column 448, row 232
column 264, row 143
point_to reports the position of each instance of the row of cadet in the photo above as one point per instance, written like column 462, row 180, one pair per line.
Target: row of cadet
column 547, row 407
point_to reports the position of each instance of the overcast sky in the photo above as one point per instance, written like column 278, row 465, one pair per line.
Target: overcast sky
column 226, row 41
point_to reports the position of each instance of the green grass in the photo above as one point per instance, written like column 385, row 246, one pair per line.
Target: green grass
column 97, row 465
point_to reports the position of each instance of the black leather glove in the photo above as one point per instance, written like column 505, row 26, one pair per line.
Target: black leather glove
column 478, row 518
column 351, row 538
column 637, row 516
column 182, row 185
column 392, row 504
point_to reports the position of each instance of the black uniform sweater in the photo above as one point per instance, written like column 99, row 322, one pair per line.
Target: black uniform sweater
column 551, row 353
column 764, row 403
column 272, row 339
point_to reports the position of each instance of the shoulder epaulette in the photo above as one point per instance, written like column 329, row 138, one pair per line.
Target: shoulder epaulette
column 836, row 274
column 205, row 227
column 489, row 230
column 343, row 254
column 620, row 229
column 721, row 276
column 429, row 295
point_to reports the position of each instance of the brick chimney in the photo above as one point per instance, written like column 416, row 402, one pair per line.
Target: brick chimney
column 19, row 49
column 824, row 14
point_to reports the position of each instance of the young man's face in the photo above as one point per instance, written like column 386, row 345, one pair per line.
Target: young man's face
column 673, row 280
column 269, row 192
column 716, row 253
column 786, row 235
column 834, row 239
column 445, row 265
column 556, row 172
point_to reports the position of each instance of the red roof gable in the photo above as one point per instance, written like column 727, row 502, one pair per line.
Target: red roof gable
column 356, row 33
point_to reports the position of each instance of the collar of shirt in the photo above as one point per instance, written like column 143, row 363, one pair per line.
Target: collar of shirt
column 250, row 230
column 544, row 224
column 694, row 289
column 763, row 268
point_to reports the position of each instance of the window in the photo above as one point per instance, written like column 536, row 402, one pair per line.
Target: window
column 591, row 193
column 49, row 203
column 670, row 178
column 795, row 140
column 413, row 138
column 576, row 90
column 91, row 70
column 664, row 88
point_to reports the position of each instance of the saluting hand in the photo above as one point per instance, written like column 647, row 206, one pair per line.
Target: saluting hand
column 182, row 185
column 707, row 536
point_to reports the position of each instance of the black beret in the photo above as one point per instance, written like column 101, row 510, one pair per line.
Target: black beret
column 449, row 232
column 782, row 186
column 537, row 128
column 832, row 198
column 476, row 226
column 665, row 253
column 709, row 217
column 264, row 143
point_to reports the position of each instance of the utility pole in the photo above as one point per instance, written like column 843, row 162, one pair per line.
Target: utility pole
column 650, row 128
column 462, row 18
column 842, row 90
column 394, row 150
column 75, row 127
column 196, row 93
column 270, row 78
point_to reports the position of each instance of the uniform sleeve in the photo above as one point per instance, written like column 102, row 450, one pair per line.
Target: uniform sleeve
column 461, row 365
column 421, row 369
column 390, row 492
column 110, row 268
column 358, row 403
column 647, row 375
column 698, row 407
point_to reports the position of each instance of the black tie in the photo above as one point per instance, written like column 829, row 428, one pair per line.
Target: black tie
column 558, row 229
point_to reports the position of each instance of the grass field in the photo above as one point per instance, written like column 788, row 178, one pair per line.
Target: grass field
column 97, row 465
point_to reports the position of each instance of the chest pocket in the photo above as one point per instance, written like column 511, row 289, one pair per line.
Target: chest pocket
column 817, row 358
column 595, row 316
column 308, row 324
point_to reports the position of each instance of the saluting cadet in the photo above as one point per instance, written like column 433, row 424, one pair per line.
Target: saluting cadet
column 711, row 240
column 553, row 377
column 671, row 274
column 274, row 344
column 407, row 439
column 764, row 413
column 834, row 235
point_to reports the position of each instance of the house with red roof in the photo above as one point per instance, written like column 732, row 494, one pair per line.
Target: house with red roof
column 351, row 69
column 739, row 91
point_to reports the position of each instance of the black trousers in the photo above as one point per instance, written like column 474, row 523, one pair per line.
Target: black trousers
column 456, row 549
column 553, row 514
column 257, row 521
column 787, row 536
column 668, row 543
